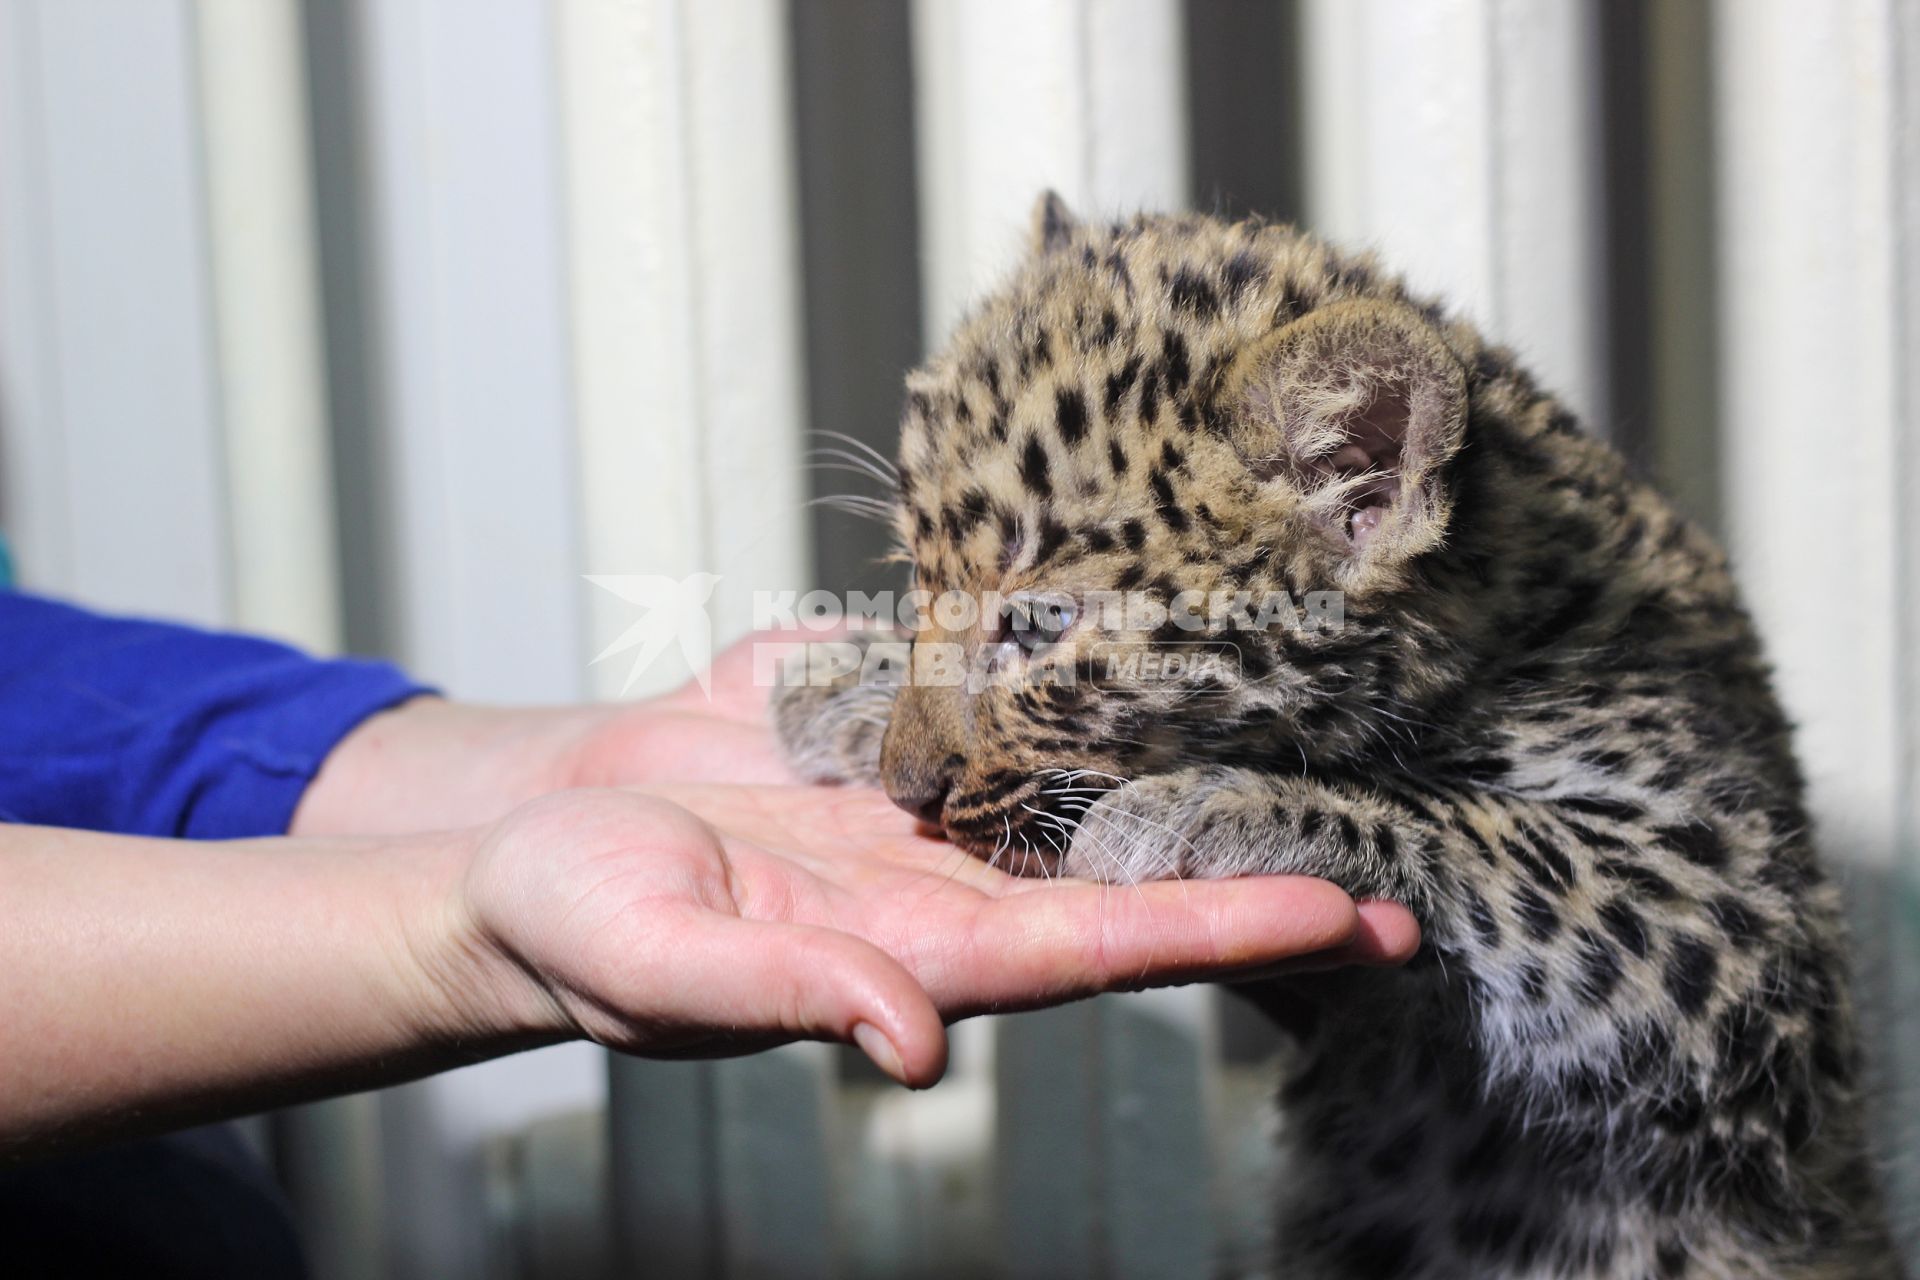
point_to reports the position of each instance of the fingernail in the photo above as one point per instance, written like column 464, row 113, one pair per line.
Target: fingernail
column 880, row 1049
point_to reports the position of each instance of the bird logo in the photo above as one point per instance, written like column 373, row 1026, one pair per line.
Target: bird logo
column 676, row 610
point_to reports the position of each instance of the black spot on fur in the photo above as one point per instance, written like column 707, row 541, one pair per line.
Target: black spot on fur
column 1593, row 837
column 1626, row 926
column 1541, row 920
column 1070, row 415
column 1600, row 969
column 1164, row 503
column 1602, row 807
column 1242, row 272
column 1053, row 535
column 1698, row 842
column 1120, row 382
column 962, row 519
column 1740, row 922
column 1651, row 884
column 1481, row 770
column 1034, row 468
column 1190, row 292
column 1550, row 868
column 1150, row 395
column 1690, row 972
column 1174, row 362
column 1482, row 918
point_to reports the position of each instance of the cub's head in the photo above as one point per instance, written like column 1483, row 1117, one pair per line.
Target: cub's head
column 1191, row 477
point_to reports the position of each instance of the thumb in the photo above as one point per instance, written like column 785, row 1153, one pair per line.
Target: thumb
column 813, row 983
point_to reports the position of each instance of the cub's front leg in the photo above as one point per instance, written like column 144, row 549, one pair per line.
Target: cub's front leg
column 831, row 713
column 1217, row 822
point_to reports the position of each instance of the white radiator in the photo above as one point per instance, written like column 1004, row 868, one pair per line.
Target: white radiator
column 382, row 323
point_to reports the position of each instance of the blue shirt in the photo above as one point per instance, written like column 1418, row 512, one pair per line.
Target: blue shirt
column 149, row 728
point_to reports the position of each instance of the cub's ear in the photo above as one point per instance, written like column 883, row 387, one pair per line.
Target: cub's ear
column 1358, row 406
column 1052, row 224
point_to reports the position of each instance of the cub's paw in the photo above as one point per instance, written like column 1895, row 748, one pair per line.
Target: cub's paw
column 1218, row 822
column 1170, row 826
column 831, row 714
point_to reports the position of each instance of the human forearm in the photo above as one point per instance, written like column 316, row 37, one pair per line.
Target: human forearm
column 149, row 983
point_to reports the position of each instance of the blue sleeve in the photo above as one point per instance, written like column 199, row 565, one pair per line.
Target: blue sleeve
column 148, row 728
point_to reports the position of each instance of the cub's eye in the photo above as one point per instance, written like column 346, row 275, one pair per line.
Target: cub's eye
column 1035, row 621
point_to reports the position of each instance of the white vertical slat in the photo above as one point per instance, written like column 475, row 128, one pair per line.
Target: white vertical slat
column 1087, row 97
column 684, row 267
column 474, row 421
column 1808, row 313
column 33, row 481
column 470, row 295
column 114, row 460
column 747, row 255
column 685, row 317
column 1818, row 182
column 259, row 183
column 1461, row 139
column 257, row 168
column 630, row 235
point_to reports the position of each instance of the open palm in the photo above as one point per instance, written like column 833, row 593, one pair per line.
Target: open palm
column 720, row 920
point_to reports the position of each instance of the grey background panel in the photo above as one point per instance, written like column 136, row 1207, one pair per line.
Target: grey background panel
column 124, row 352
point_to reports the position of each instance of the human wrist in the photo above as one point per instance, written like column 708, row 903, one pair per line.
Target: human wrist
column 471, row 989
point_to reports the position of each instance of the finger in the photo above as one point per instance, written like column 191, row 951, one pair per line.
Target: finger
column 1387, row 936
column 804, row 982
column 1079, row 939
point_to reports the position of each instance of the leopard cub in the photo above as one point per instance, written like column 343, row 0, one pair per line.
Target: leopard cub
column 1539, row 717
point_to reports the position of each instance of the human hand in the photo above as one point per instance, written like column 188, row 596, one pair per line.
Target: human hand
column 711, row 921
column 692, row 735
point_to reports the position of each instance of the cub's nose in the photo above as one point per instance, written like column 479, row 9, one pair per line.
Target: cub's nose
column 924, row 802
column 921, row 754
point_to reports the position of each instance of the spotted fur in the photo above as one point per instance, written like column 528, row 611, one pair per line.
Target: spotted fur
column 1625, row 1047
